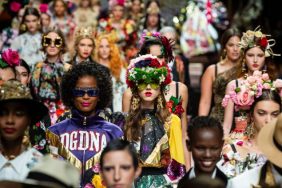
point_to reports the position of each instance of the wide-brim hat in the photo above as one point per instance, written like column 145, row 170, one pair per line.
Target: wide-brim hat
column 14, row 91
column 49, row 172
column 270, row 140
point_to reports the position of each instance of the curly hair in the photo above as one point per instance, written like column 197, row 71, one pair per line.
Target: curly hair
column 116, row 63
column 80, row 70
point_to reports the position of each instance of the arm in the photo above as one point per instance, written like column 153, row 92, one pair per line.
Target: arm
column 228, row 111
column 126, row 98
column 206, row 91
column 183, row 90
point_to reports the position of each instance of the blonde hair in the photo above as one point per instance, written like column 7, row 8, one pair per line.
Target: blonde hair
column 84, row 33
column 116, row 62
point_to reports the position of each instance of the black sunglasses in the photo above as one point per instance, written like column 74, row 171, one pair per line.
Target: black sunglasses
column 47, row 41
column 91, row 92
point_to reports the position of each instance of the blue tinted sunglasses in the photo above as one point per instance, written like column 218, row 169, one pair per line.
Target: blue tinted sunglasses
column 91, row 92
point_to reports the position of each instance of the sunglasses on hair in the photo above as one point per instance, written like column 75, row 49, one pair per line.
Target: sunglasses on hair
column 143, row 86
column 47, row 41
column 91, row 92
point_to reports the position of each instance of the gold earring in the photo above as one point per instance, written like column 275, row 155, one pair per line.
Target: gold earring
column 135, row 103
column 223, row 55
column 160, row 103
column 264, row 70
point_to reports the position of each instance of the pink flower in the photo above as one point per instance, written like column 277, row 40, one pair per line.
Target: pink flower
column 277, row 83
column 266, row 86
column 11, row 57
column 43, row 8
column 225, row 101
column 251, row 79
column 15, row 6
column 257, row 73
column 244, row 99
column 265, row 77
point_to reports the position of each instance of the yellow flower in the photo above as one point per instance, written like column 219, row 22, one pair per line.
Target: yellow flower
column 258, row 34
column 97, row 182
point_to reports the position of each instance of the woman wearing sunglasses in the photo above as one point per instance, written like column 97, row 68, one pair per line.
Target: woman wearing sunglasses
column 47, row 74
column 150, row 127
column 86, row 89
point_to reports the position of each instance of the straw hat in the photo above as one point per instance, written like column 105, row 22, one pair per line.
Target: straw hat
column 51, row 173
column 13, row 90
column 270, row 141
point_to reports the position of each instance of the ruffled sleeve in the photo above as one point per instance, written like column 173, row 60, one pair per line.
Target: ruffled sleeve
column 175, row 140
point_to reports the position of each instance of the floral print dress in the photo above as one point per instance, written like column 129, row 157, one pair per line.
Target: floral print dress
column 45, row 81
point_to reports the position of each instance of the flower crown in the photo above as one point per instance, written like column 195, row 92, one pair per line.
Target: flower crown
column 113, row 3
column 244, row 95
column 167, row 44
column 255, row 38
column 110, row 36
column 85, row 32
column 9, row 58
column 148, row 69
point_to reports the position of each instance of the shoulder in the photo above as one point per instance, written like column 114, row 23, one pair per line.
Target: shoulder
column 182, row 88
column 114, row 130
column 181, row 182
column 56, row 128
column 220, row 175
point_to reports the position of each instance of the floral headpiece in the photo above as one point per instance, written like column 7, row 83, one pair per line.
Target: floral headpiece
column 9, row 58
column 146, row 35
column 244, row 95
column 255, row 38
column 85, row 32
column 44, row 8
column 148, row 69
column 110, row 36
column 113, row 3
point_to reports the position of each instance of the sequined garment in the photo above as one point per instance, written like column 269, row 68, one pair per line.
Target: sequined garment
column 218, row 89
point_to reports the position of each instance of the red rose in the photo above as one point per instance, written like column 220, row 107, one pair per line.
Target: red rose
column 11, row 57
column 15, row 6
column 263, row 42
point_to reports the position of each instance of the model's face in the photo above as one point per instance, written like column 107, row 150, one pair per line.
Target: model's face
column 136, row 6
column 206, row 149
column 7, row 74
column 156, row 50
column 85, row 3
column 118, row 170
column 148, row 92
column 14, row 119
column 255, row 59
column 85, row 48
column 45, row 20
column 52, row 50
column 265, row 112
column 104, row 49
column 24, row 77
column 32, row 23
column 59, row 8
column 153, row 20
column 118, row 12
column 86, row 103
column 232, row 49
